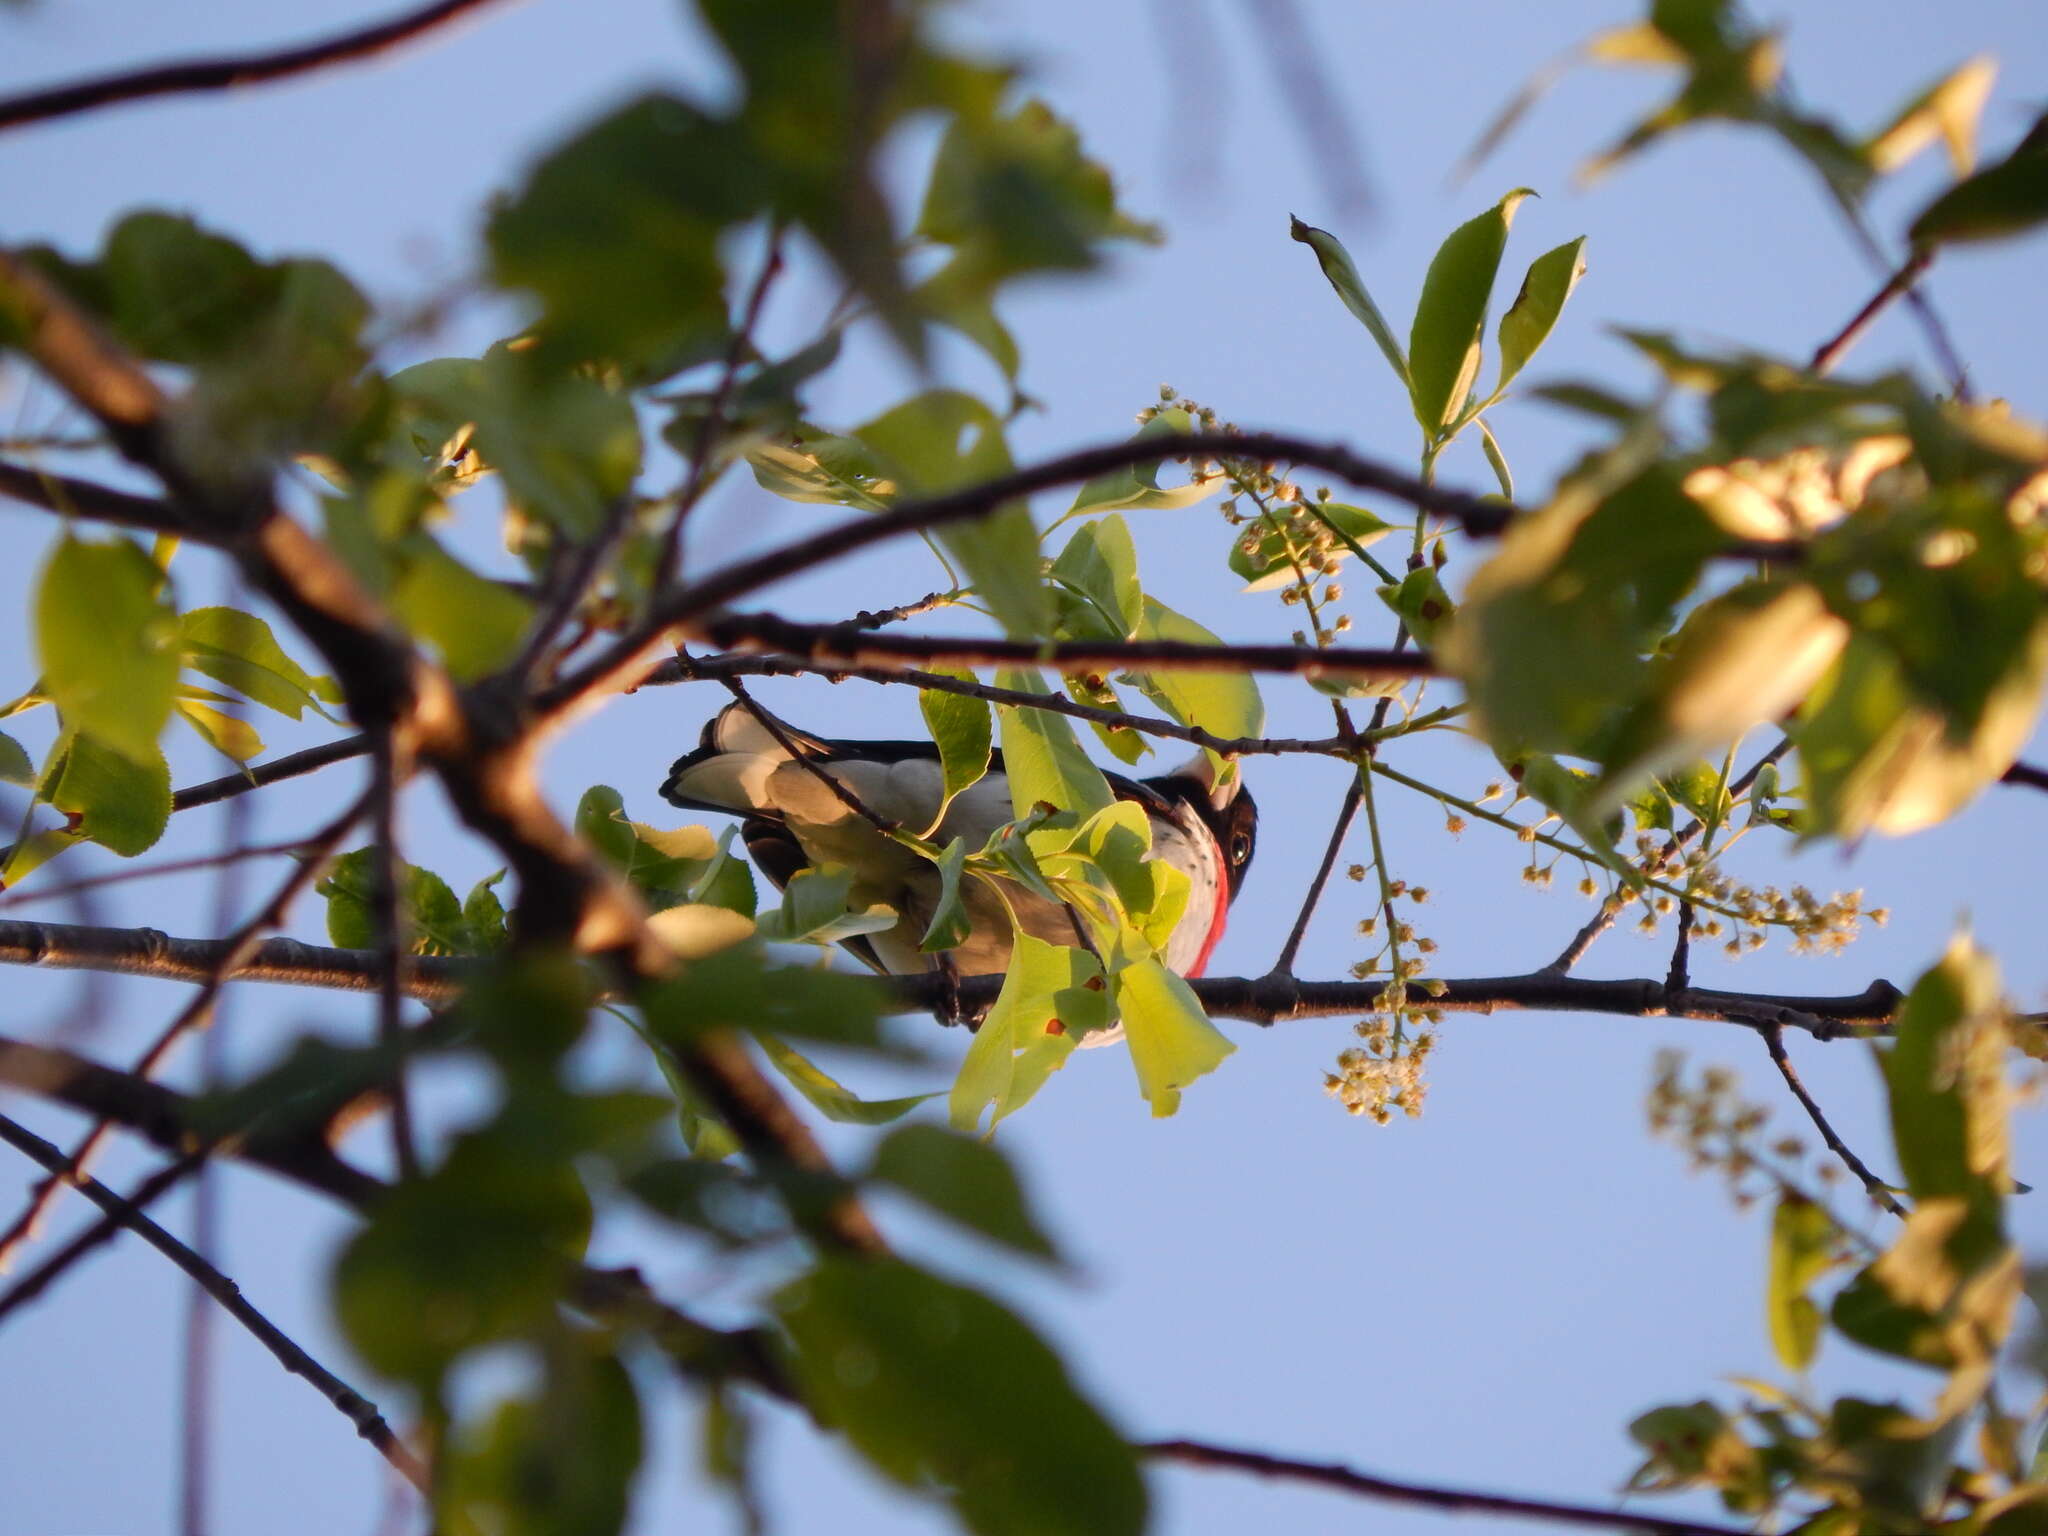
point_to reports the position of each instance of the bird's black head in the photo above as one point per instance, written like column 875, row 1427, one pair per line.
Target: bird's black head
column 1230, row 814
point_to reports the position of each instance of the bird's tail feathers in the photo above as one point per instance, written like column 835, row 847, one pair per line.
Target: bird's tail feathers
column 729, row 770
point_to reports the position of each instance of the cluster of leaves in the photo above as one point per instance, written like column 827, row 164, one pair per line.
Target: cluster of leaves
column 1943, row 1295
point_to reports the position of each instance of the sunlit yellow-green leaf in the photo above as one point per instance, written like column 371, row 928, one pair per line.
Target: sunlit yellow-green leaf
column 1171, row 1039
column 107, row 642
column 1444, row 343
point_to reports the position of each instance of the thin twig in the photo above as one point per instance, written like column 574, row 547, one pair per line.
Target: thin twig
column 388, row 920
column 1774, row 1042
column 619, row 664
column 1353, row 793
column 1453, row 1501
column 1679, row 976
column 120, row 1213
column 712, row 426
column 713, row 668
column 151, row 872
column 226, row 73
column 230, row 956
column 2025, row 774
column 293, row 765
column 1610, row 909
column 1832, row 351
column 840, row 792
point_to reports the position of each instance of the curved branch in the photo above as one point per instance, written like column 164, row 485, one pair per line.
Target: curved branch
column 226, row 73
column 356, row 1408
column 275, row 771
column 1451, row 1501
column 1481, row 517
column 301, row 1156
column 1879, row 1191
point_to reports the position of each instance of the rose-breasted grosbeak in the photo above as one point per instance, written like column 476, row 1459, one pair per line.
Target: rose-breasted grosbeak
column 794, row 821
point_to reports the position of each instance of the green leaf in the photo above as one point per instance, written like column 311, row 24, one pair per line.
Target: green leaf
column 1948, row 109
column 114, row 800
column 15, row 764
column 1100, row 564
column 229, row 735
column 1043, row 761
column 476, row 1251
column 1496, row 458
column 1743, row 659
column 1222, row 703
column 745, row 989
column 966, row 1181
column 1016, row 194
column 1876, row 759
column 239, row 650
column 951, row 923
column 476, row 624
column 818, row 466
column 566, row 446
column 1551, row 636
column 1531, row 318
column 107, row 642
column 1337, row 267
column 2000, row 201
column 939, row 1386
column 1949, row 1099
column 561, row 1461
column 433, row 918
column 1450, row 317
column 483, row 914
column 617, row 233
column 1270, row 560
column 1025, row 1038
column 946, row 438
column 833, row 1100
column 816, row 909
column 1172, row 1041
column 1136, row 487
column 963, row 730
column 1802, row 1250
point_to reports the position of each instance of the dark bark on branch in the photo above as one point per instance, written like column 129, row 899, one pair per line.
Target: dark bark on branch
column 828, row 643
column 300, row 1155
column 481, row 742
column 227, row 73
column 120, row 1213
column 1450, row 1501
column 1257, row 1000
column 70, row 497
column 713, row 668
column 1836, row 347
column 291, row 766
column 1879, row 1191
column 618, row 666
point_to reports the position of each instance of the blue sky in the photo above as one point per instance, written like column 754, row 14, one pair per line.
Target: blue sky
column 1483, row 1297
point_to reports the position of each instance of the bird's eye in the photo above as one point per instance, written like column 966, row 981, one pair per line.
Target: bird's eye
column 1240, row 848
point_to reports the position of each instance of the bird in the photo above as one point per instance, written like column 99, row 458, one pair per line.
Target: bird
column 746, row 764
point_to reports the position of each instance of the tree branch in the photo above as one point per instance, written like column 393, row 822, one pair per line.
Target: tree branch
column 195, row 1015
column 619, row 665
column 299, row 1154
column 120, row 1213
column 1259, row 1000
column 227, row 73
column 1451, row 1501
column 291, row 766
column 1880, row 1192
column 71, row 497
column 713, row 668
column 1832, row 351
column 482, row 742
